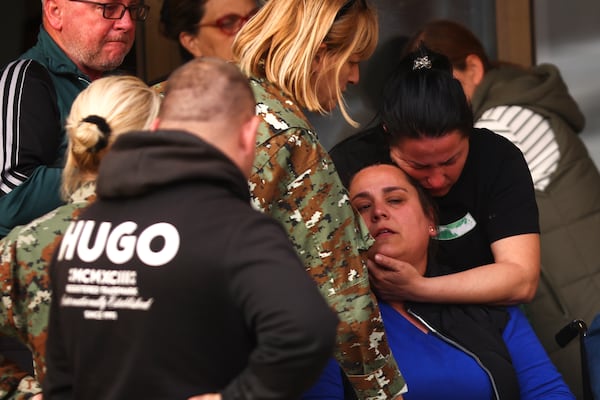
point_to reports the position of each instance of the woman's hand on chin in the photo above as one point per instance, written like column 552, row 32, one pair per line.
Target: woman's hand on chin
column 392, row 279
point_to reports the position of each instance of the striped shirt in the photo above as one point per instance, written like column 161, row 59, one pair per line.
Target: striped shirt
column 531, row 133
column 11, row 81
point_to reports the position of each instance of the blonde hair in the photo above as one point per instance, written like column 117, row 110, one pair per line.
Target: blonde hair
column 107, row 108
column 281, row 42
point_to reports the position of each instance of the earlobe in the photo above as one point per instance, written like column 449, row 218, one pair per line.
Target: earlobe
column 247, row 145
column 432, row 231
column 54, row 14
column 476, row 68
column 249, row 131
column 189, row 42
column 155, row 124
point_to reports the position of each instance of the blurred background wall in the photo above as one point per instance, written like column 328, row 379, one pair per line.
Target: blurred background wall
column 568, row 34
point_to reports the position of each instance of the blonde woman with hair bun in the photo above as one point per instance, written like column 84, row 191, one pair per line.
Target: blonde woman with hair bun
column 301, row 55
column 109, row 107
column 122, row 103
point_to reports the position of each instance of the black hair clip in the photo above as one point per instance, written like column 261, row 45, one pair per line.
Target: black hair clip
column 103, row 126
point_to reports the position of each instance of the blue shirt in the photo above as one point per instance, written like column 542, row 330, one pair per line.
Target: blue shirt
column 433, row 369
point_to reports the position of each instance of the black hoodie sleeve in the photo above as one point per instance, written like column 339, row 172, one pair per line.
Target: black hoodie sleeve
column 58, row 382
column 294, row 327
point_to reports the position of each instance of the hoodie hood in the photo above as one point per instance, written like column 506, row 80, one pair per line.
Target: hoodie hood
column 140, row 162
column 540, row 89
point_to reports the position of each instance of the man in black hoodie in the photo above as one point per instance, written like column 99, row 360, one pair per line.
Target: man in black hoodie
column 170, row 285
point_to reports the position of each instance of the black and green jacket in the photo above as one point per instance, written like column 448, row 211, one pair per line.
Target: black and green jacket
column 36, row 93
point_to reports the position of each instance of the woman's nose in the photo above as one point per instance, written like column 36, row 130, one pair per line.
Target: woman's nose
column 436, row 180
column 379, row 212
column 354, row 76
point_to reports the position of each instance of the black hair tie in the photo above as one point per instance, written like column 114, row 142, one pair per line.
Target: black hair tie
column 103, row 126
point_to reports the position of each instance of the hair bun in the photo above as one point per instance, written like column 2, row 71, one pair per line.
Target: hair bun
column 104, row 128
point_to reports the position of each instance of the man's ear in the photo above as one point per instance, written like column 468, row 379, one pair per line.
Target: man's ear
column 53, row 13
column 154, row 125
column 475, row 69
column 247, row 145
column 190, row 43
column 248, row 135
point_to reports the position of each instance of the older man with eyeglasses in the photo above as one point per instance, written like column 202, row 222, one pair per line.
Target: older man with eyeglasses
column 79, row 41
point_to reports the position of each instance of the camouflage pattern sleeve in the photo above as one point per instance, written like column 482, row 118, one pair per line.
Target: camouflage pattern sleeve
column 18, row 384
column 295, row 182
column 160, row 88
column 17, row 317
column 25, row 254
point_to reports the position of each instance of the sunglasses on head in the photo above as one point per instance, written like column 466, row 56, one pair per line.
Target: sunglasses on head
column 347, row 6
column 230, row 24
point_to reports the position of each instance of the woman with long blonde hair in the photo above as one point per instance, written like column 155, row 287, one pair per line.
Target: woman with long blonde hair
column 301, row 55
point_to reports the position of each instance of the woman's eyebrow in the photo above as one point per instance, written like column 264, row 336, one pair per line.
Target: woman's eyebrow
column 360, row 195
column 389, row 189
column 386, row 189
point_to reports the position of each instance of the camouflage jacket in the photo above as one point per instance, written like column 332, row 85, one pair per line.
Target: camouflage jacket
column 24, row 257
column 160, row 88
column 295, row 181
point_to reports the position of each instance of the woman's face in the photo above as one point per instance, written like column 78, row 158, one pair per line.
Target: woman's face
column 349, row 74
column 436, row 163
column 390, row 206
column 221, row 21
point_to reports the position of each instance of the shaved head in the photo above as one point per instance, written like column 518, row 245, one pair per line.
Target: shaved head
column 212, row 100
column 207, row 90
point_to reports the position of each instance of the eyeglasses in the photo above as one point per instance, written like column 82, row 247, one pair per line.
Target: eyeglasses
column 230, row 24
column 138, row 12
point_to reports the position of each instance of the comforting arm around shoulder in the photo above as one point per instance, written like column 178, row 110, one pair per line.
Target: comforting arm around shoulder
column 511, row 279
column 519, row 255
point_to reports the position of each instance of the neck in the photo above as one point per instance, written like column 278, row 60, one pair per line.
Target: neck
column 92, row 74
